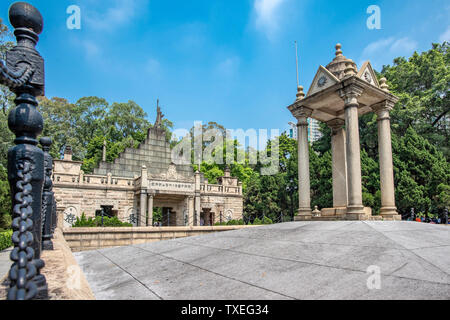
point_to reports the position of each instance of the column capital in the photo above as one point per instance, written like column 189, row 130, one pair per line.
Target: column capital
column 301, row 114
column 336, row 124
column 386, row 105
column 350, row 94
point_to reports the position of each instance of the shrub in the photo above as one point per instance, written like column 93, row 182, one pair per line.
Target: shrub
column 267, row 220
column 231, row 223
column 83, row 222
column 257, row 221
column 5, row 240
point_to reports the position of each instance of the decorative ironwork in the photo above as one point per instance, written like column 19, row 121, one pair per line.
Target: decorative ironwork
column 54, row 215
column 70, row 218
column 133, row 219
column 23, row 73
column 47, row 196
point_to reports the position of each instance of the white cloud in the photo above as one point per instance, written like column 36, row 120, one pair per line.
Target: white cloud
column 121, row 12
column 383, row 51
column 267, row 16
column 90, row 49
column 377, row 46
column 445, row 36
column 403, row 46
column 152, row 66
column 228, row 66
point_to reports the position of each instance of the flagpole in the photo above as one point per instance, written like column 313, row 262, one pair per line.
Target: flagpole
column 296, row 62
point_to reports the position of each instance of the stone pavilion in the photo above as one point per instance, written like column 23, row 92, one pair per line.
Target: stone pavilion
column 338, row 96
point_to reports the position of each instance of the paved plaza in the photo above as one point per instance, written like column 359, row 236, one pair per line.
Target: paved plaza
column 298, row 260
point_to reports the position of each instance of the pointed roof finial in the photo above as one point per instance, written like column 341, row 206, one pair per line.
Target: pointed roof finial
column 383, row 85
column 159, row 115
column 338, row 50
column 349, row 68
column 300, row 93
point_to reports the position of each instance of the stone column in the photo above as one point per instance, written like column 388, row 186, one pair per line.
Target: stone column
column 143, row 209
column 197, row 199
column 339, row 162
column 191, row 211
column 388, row 209
column 150, row 211
column 197, row 210
column 355, row 208
column 304, row 190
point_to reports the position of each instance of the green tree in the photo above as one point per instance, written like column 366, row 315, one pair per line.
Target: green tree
column 422, row 83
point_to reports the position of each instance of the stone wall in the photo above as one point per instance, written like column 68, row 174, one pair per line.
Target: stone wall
column 154, row 153
column 82, row 239
column 81, row 198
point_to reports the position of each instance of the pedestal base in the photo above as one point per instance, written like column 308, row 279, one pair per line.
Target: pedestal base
column 394, row 217
column 304, row 215
column 390, row 214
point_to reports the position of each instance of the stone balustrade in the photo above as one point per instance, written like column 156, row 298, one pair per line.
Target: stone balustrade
column 94, row 180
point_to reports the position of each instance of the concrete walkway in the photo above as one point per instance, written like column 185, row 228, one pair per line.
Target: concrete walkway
column 299, row 260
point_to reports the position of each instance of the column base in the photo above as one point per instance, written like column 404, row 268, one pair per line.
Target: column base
column 304, row 214
column 390, row 214
column 356, row 213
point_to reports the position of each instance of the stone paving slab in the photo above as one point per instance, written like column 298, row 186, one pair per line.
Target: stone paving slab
column 298, row 260
column 5, row 262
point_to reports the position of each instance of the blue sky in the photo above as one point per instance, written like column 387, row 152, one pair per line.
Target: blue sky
column 232, row 61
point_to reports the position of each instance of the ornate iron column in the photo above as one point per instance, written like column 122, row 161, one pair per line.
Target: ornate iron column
column 47, row 196
column 24, row 75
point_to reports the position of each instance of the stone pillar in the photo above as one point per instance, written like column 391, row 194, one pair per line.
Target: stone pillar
column 304, row 190
column 388, row 209
column 191, row 211
column 143, row 208
column 339, row 162
column 197, row 211
column 355, row 208
column 150, row 211
column 68, row 153
column 197, row 199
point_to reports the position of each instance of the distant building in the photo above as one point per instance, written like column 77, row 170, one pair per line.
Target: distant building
column 314, row 133
column 142, row 179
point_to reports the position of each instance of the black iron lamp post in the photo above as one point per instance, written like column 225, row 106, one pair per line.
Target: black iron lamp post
column 23, row 74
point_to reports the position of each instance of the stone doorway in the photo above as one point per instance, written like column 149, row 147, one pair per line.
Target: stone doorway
column 207, row 217
column 169, row 217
